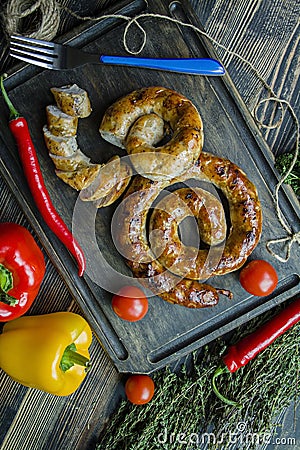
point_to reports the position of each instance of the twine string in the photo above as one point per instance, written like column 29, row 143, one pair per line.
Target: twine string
column 23, row 8
column 17, row 10
column 288, row 241
column 292, row 237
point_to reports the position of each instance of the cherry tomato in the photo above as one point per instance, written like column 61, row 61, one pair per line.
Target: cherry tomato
column 139, row 389
column 130, row 303
column 259, row 278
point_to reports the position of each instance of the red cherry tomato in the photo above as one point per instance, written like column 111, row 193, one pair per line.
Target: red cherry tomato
column 130, row 303
column 259, row 278
column 139, row 389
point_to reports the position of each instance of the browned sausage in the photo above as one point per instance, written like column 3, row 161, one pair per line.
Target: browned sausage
column 246, row 225
column 186, row 261
column 136, row 121
column 72, row 100
column 110, row 183
column 102, row 183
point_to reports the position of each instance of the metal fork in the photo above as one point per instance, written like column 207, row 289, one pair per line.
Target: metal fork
column 59, row 57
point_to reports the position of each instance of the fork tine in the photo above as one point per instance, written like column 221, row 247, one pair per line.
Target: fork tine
column 32, row 61
column 39, row 50
column 33, row 51
column 31, row 41
column 32, row 55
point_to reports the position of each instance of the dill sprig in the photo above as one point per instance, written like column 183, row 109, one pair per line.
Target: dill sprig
column 185, row 413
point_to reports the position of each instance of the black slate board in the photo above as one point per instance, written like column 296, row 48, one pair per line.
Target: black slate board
column 167, row 332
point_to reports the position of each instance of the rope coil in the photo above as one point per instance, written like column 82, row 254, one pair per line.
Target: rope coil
column 46, row 15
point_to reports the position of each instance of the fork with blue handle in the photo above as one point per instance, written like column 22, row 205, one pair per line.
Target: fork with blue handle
column 50, row 55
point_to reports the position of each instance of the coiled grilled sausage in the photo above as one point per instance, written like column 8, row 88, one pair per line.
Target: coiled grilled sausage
column 246, row 226
column 136, row 122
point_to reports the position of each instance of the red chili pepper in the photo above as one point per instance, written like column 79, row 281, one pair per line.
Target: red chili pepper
column 245, row 350
column 19, row 128
column 22, row 269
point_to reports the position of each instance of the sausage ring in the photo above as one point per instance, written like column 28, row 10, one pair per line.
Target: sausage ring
column 137, row 122
column 245, row 231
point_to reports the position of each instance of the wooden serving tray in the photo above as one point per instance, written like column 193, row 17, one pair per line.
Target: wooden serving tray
column 168, row 332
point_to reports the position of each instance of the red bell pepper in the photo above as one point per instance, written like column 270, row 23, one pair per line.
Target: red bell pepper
column 22, row 269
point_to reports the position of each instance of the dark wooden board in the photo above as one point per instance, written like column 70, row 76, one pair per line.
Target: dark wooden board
column 167, row 332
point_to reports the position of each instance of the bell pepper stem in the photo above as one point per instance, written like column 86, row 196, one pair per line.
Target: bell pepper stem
column 71, row 357
column 6, row 284
column 14, row 114
column 8, row 299
column 219, row 371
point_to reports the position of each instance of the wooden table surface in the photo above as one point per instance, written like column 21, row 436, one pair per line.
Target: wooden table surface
column 267, row 35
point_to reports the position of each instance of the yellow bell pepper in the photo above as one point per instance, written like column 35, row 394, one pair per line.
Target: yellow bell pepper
column 41, row 351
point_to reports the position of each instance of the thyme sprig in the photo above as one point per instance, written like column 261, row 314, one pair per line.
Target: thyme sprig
column 283, row 163
column 185, row 413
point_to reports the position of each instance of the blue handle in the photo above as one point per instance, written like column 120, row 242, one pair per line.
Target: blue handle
column 193, row 66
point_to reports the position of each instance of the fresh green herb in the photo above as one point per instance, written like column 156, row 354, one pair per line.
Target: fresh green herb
column 185, row 413
column 283, row 163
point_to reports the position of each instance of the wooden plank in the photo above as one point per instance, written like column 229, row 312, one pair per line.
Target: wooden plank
column 266, row 34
